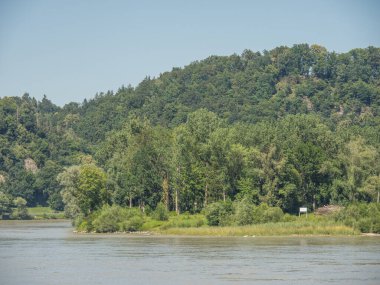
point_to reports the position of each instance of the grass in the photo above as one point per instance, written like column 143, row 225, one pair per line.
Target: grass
column 180, row 221
column 43, row 213
column 268, row 229
column 196, row 225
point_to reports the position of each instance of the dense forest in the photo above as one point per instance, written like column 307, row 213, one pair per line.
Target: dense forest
column 290, row 127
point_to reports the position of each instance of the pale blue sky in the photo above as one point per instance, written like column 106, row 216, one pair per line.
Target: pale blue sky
column 71, row 49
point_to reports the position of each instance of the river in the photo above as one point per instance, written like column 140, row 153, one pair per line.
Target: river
column 36, row 252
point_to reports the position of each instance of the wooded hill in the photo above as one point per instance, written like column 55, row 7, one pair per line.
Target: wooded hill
column 288, row 127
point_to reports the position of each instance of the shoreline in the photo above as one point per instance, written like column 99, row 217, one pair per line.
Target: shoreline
column 157, row 234
column 242, row 232
column 35, row 221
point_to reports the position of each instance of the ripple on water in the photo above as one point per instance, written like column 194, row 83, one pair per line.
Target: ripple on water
column 49, row 253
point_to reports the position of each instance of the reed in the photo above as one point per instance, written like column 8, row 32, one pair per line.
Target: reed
column 43, row 213
column 269, row 229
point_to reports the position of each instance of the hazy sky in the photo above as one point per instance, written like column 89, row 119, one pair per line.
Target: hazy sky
column 71, row 49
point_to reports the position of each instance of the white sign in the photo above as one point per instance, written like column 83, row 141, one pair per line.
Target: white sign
column 303, row 210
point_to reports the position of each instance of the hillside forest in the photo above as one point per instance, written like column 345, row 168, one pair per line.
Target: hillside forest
column 290, row 127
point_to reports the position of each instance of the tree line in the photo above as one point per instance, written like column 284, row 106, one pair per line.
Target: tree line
column 296, row 161
column 288, row 127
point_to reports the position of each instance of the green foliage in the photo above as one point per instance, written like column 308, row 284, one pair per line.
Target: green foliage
column 244, row 213
column 290, row 127
column 84, row 189
column 160, row 213
column 45, row 213
column 269, row 229
column 112, row 219
column 361, row 216
column 5, row 204
column 108, row 219
column 185, row 221
column 92, row 191
column 133, row 224
column 20, row 212
column 265, row 214
column 219, row 213
column 241, row 213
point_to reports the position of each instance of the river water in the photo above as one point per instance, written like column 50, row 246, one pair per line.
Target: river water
column 50, row 253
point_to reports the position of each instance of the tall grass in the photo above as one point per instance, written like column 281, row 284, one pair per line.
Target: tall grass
column 268, row 229
column 41, row 213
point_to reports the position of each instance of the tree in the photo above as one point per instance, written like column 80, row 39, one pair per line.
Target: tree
column 92, row 192
column 84, row 189
column 372, row 187
column 21, row 212
column 69, row 180
column 5, row 204
column 359, row 161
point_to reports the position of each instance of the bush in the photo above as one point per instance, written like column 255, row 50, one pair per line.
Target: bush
column 186, row 221
column 288, row 218
column 84, row 226
column 5, row 204
column 108, row 219
column 21, row 212
column 55, row 202
column 266, row 214
column 243, row 213
column 133, row 224
column 219, row 213
column 115, row 218
column 160, row 213
column 362, row 216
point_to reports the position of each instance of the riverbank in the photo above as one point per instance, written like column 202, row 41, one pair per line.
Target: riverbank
column 300, row 227
column 294, row 228
column 45, row 213
column 270, row 229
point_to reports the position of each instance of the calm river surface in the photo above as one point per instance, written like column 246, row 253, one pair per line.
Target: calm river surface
column 49, row 253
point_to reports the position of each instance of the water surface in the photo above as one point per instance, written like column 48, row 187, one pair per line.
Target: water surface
column 50, row 253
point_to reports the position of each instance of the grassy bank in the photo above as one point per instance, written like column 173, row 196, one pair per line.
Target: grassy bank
column 239, row 219
column 43, row 213
column 269, row 229
column 117, row 219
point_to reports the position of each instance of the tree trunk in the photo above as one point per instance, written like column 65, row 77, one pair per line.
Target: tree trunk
column 314, row 203
column 176, row 201
column 224, row 196
column 165, row 188
column 130, row 202
column 177, row 192
column 378, row 196
column 206, row 194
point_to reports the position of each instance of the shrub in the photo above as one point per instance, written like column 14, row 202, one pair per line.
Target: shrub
column 361, row 216
column 160, row 213
column 84, row 226
column 288, row 218
column 273, row 214
column 243, row 213
column 134, row 223
column 186, row 221
column 21, row 212
column 219, row 213
column 115, row 218
column 266, row 214
column 5, row 204
column 108, row 219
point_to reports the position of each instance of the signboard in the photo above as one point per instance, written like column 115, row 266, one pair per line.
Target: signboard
column 302, row 210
